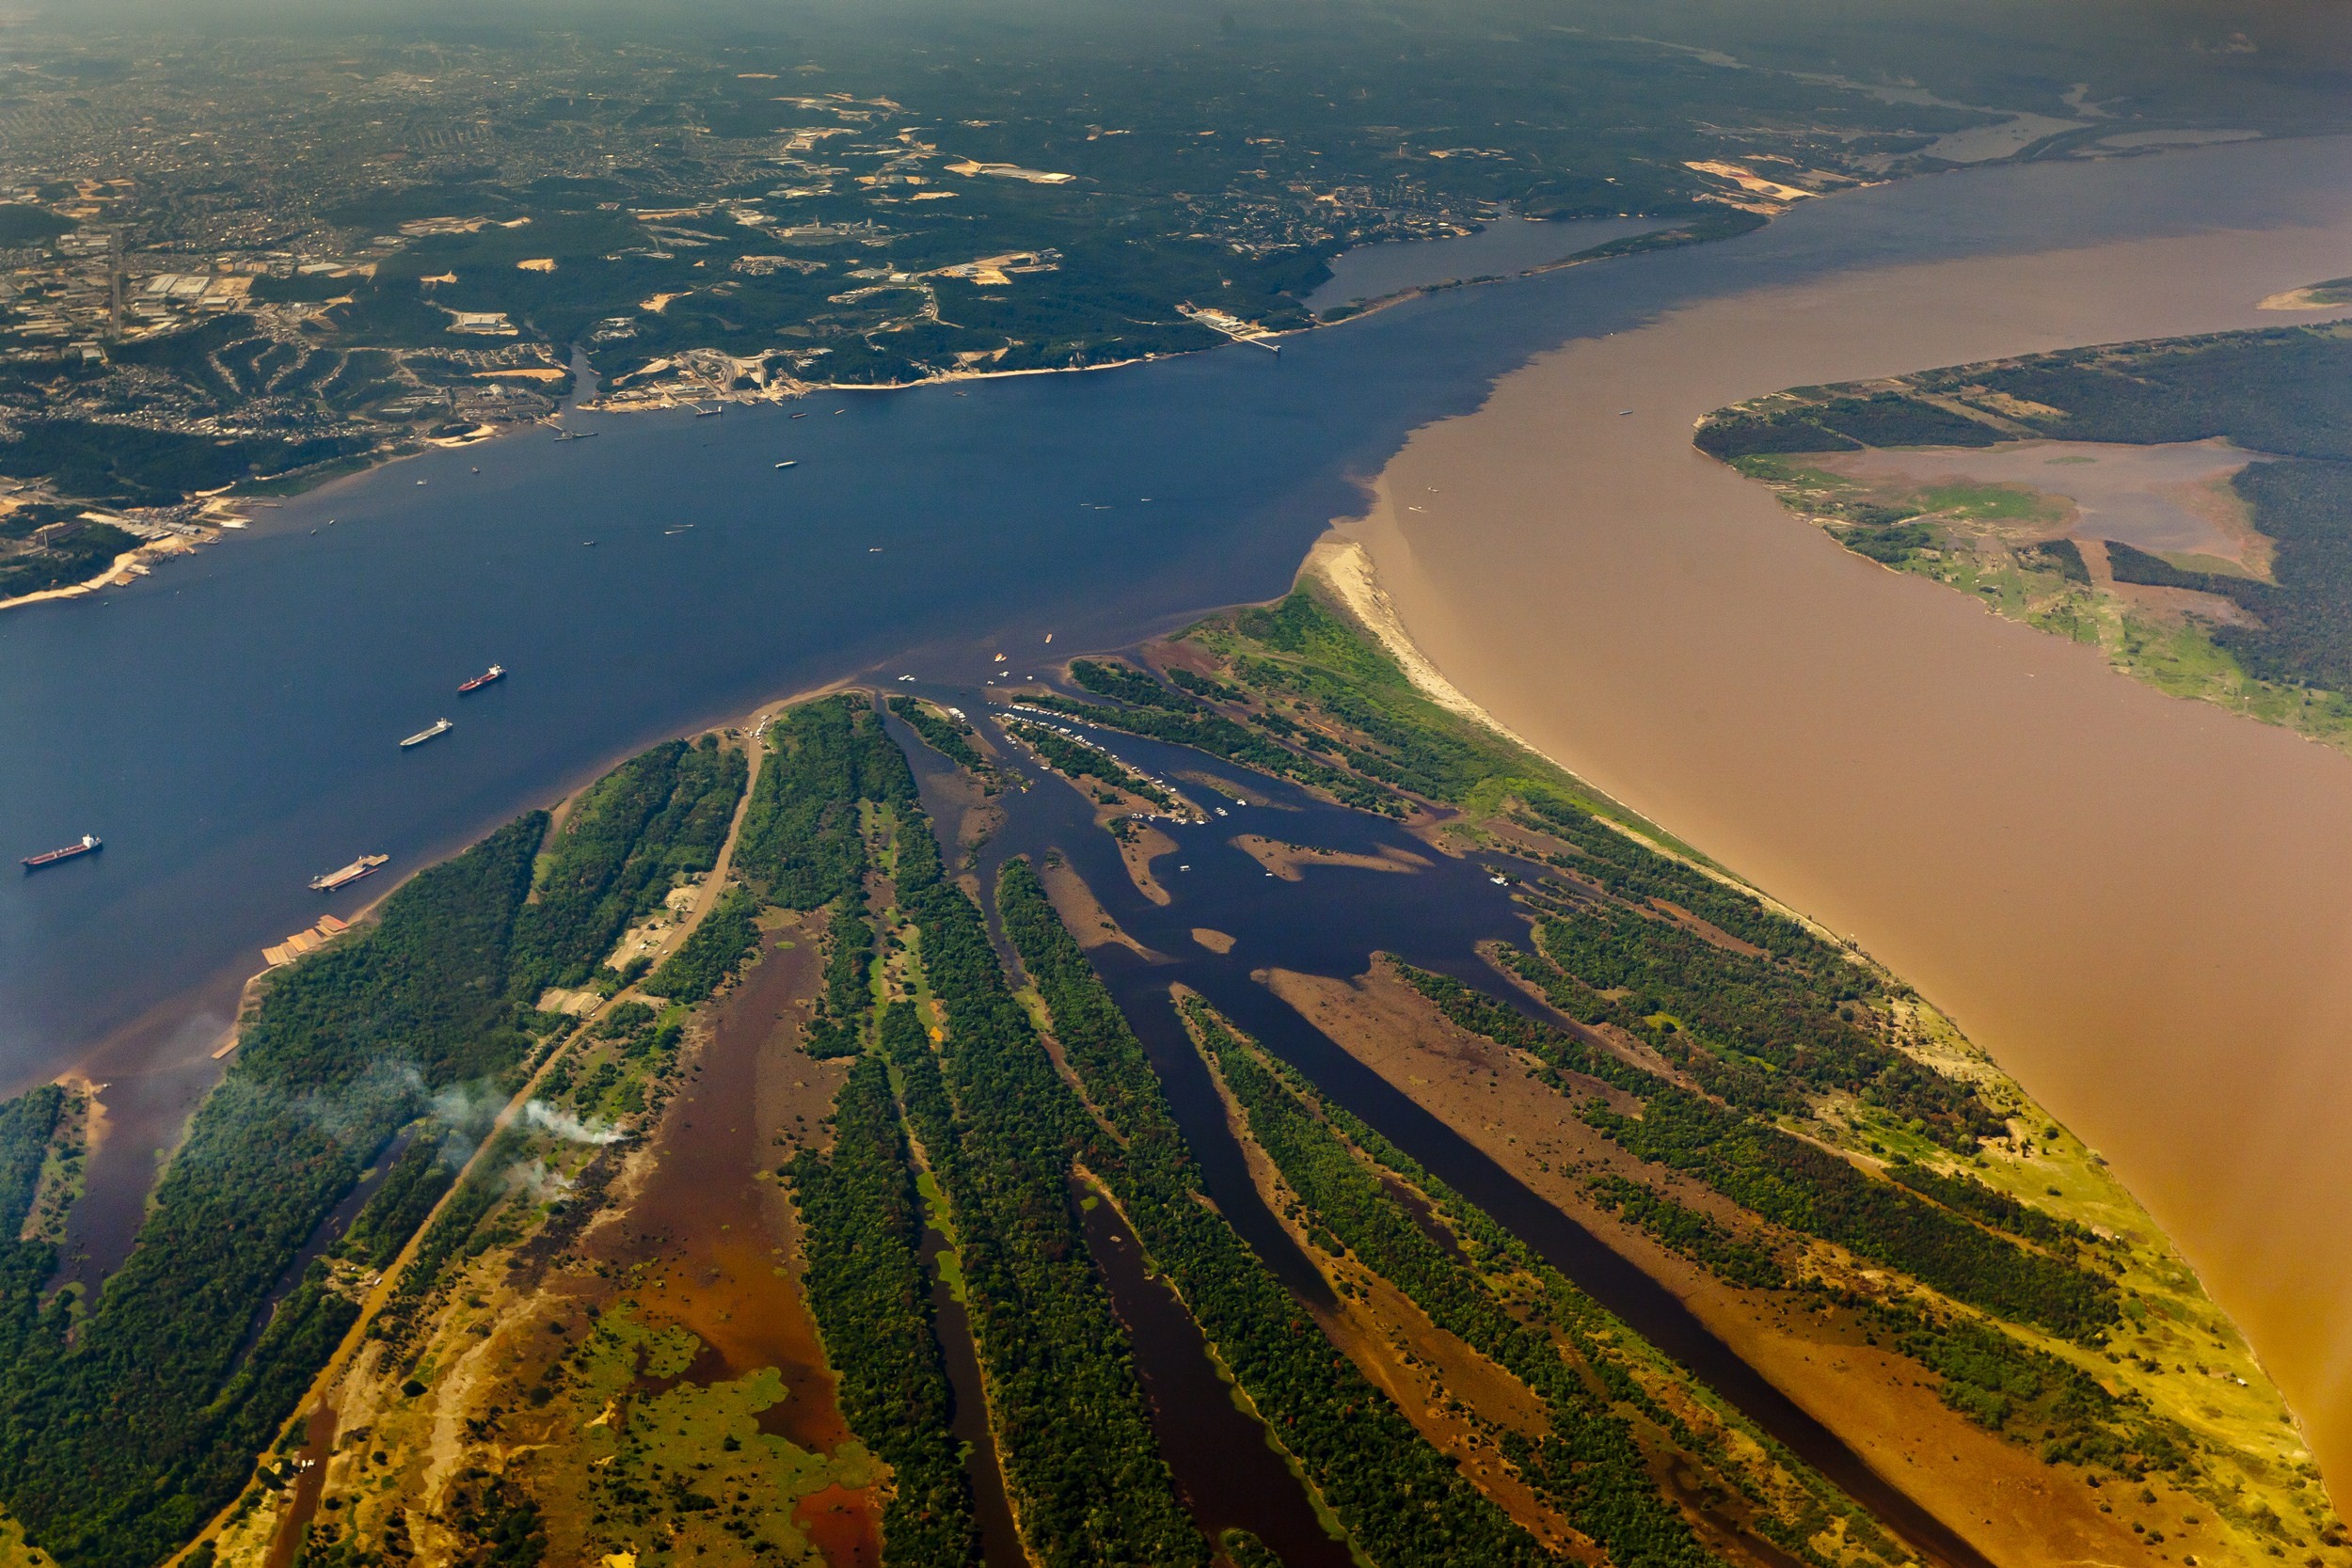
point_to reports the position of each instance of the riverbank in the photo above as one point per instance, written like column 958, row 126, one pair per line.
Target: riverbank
column 1978, row 805
column 716, row 390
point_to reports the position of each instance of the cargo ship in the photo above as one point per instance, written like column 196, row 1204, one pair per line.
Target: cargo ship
column 440, row 728
column 496, row 671
column 90, row 844
column 336, row 881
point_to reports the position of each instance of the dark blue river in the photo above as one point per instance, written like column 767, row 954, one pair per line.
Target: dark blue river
column 229, row 724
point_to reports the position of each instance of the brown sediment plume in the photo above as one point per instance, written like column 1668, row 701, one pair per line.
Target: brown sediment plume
column 2136, row 903
column 721, row 1274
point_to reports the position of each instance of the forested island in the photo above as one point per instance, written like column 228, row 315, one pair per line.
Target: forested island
column 725, row 1167
column 2239, row 591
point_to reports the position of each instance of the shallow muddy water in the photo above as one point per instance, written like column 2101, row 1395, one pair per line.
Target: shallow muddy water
column 2142, row 907
column 2169, row 496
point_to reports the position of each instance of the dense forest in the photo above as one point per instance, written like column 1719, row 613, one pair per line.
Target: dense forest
column 951, row 738
column 871, row 1300
column 658, row 817
column 800, row 844
column 1075, row 759
column 710, row 955
column 1001, row 1129
column 114, row 1448
column 118, row 1442
column 1401, row 1500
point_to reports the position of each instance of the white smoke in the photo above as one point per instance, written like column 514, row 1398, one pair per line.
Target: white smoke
column 543, row 1185
column 564, row 1125
column 467, row 1107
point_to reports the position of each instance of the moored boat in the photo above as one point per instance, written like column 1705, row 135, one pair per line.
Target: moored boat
column 333, row 880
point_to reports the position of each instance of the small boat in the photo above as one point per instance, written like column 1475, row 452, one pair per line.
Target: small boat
column 90, row 844
column 495, row 673
column 333, row 880
column 789, row 463
column 440, row 728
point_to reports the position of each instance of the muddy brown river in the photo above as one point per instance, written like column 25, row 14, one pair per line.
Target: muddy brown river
column 2141, row 906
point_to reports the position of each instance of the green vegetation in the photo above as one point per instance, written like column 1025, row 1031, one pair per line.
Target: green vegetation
column 413, row 1003
column 1152, row 710
column 2286, row 393
column 1001, row 1129
column 2029, row 1394
column 1964, row 1194
column 1795, row 1182
column 1309, row 681
column 1698, row 1237
column 1077, row 760
column 636, row 833
column 76, row 551
column 951, row 738
column 1588, row 1463
column 1843, row 425
column 1799, row 1185
column 2302, row 631
column 26, row 1125
column 132, row 466
column 711, row 953
column 1399, row 1499
column 629, row 1441
column 800, row 844
column 453, row 1235
column 1764, row 1016
column 2062, row 555
column 1244, row 1550
column 117, row 1442
column 1756, row 1008
column 410, row 1189
column 839, row 1027
column 867, row 1292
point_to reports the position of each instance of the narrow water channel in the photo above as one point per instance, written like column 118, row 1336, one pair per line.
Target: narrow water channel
column 1229, row 1473
column 1000, row 1538
column 1331, row 924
